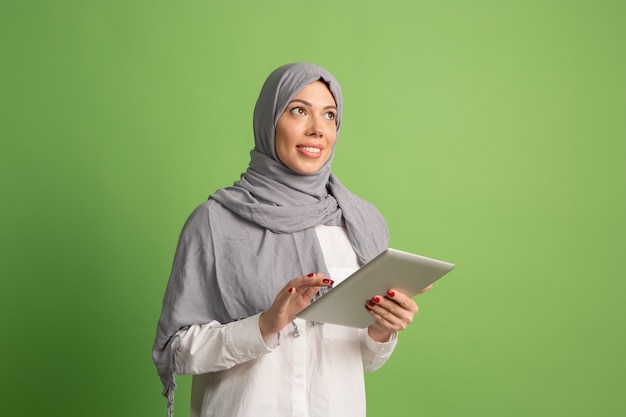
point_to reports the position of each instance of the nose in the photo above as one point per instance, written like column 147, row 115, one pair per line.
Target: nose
column 315, row 128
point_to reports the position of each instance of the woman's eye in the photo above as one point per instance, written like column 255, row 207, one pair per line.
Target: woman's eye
column 298, row 111
column 330, row 115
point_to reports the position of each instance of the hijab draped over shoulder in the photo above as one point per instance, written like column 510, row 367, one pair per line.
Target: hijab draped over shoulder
column 238, row 249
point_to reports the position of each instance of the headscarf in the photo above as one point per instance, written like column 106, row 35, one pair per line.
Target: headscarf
column 238, row 249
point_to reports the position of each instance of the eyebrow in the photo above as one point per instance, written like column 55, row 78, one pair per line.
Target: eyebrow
column 309, row 104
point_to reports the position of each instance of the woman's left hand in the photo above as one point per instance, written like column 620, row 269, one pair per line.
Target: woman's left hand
column 393, row 312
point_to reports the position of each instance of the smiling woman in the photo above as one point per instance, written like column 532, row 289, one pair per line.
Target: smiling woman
column 256, row 254
column 307, row 130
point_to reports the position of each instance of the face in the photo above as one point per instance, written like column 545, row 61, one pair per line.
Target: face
column 307, row 130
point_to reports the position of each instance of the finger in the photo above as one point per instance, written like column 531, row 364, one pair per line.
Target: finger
column 393, row 311
column 425, row 289
column 402, row 299
column 385, row 308
column 309, row 293
column 385, row 320
column 311, row 280
column 297, row 286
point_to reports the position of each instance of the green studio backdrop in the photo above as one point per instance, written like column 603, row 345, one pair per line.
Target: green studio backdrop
column 489, row 134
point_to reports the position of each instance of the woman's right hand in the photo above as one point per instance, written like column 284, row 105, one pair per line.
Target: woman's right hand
column 291, row 300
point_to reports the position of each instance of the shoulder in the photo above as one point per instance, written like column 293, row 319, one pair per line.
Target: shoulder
column 199, row 216
column 199, row 222
column 206, row 213
column 211, row 217
column 206, row 223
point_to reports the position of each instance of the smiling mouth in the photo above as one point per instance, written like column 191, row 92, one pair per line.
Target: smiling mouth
column 309, row 149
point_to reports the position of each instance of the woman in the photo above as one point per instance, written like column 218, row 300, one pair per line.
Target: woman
column 229, row 310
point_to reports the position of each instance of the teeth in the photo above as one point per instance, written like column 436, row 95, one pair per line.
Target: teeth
column 310, row 149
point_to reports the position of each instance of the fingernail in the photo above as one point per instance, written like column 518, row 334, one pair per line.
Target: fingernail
column 376, row 299
column 310, row 275
column 326, row 281
column 291, row 289
column 371, row 303
column 390, row 293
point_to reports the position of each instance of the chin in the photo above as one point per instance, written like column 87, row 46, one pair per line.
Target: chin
column 305, row 167
column 308, row 170
column 305, row 172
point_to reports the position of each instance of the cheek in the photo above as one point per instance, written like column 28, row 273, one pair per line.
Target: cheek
column 332, row 139
column 281, row 142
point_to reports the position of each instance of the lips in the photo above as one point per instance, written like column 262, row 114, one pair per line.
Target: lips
column 310, row 150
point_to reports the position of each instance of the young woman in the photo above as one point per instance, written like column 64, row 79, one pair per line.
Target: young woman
column 256, row 253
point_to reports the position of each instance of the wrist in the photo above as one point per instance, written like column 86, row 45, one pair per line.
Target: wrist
column 266, row 326
column 378, row 334
column 262, row 326
column 268, row 337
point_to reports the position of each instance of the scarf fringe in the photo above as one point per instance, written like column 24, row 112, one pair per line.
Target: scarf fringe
column 168, row 392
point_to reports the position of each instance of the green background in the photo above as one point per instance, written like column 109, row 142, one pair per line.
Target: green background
column 489, row 133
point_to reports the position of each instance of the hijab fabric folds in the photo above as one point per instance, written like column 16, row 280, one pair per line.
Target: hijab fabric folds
column 238, row 249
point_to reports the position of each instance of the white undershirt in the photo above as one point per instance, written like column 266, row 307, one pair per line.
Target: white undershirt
column 305, row 371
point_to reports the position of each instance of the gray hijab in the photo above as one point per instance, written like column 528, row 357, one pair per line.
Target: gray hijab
column 238, row 249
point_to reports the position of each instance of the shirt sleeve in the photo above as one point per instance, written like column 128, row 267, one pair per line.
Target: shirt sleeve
column 213, row 347
column 374, row 353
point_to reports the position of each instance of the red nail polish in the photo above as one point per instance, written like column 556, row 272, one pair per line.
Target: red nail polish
column 376, row 299
column 310, row 275
column 326, row 281
column 390, row 293
column 291, row 290
column 371, row 303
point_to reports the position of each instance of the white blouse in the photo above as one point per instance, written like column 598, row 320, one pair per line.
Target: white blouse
column 307, row 370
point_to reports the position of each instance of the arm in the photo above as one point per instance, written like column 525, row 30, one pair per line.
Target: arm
column 392, row 313
column 215, row 347
column 374, row 353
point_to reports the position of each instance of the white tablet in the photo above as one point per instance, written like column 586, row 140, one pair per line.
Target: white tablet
column 345, row 304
